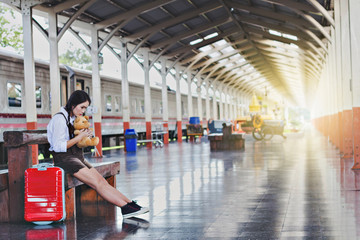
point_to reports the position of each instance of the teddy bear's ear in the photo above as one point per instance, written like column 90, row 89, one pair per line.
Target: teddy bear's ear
column 87, row 117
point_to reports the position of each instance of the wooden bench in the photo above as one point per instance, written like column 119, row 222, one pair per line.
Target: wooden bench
column 226, row 141
column 19, row 159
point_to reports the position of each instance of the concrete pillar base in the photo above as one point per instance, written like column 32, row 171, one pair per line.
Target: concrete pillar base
column 166, row 135
column 148, row 134
column 348, row 131
column 356, row 137
column 35, row 147
column 126, row 126
column 179, row 131
column 99, row 152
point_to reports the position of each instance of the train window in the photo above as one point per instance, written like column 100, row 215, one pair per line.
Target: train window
column 134, row 106
column 38, row 96
column 88, row 90
column 117, row 104
column 153, row 107
column 142, row 106
column 108, row 103
column 49, row 95
column 14, row 94
column 79, row 84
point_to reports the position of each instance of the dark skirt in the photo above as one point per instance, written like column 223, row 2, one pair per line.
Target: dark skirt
column 72, row 160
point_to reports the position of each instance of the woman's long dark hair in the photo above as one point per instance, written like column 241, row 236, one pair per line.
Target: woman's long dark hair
column 76, row 98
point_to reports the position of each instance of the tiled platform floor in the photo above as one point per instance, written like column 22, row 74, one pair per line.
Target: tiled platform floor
column 296, row 188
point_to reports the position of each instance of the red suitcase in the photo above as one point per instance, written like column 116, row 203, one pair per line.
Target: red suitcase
column 44, row 194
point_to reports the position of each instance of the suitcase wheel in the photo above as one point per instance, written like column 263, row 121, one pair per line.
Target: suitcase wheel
column 42, row 222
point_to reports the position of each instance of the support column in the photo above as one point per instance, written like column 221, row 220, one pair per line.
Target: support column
column 29, row 75
column 221, row 103
column 237, row 106
column 327, row 107
column 96, row 89
column 165, row 102
column 234, row 103
column 178, row 106
column 232, row 106
column 214, row 106
column 147, row 97
column 346, row 79
column 125, row 89
column 243, row 105
column 189, row 96
column 354, row 8
column 335, row 108
column 228, row 105
column 54, row 65
column 339, row 74
column 199, row 101
column 225, row 110
column 207, row 101
column 190, row 103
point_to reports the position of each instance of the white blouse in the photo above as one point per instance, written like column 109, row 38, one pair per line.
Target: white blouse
column 58, row 132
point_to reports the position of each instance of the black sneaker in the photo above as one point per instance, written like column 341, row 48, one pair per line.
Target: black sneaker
column 136, row 222
column 134, row 204
column 132, row 209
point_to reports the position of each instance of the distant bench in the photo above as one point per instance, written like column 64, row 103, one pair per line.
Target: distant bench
column 19, row 159
column 226, row 140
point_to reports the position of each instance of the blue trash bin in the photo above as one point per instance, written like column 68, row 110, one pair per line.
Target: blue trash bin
column 194, row 120
column 130, row 140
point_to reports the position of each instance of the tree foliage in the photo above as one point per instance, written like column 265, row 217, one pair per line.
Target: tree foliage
column 10, row 34
column 76, row 58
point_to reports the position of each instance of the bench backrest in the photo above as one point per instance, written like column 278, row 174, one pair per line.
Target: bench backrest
column 18, row 138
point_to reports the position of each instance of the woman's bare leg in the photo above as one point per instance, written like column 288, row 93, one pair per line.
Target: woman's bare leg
column 92, row 178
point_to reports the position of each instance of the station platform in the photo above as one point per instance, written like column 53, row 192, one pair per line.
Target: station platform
column 296, row 188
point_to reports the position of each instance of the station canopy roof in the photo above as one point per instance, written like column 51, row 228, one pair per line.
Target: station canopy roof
column 272, row 46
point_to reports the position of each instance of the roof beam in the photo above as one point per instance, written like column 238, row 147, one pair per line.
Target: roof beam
column 67, row 4
column 321, row 9
column 293, row 4
column 287, row 3
column 177, row 20
column 215, row 59
column 269, row 14
column 190, row 33
column 73, row 18
column 131, row 13
column 277, row 27
column 203, row 43
column 217, row 64
column 215, row 49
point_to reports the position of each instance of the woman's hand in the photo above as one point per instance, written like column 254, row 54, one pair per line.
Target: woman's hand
column 85, row 133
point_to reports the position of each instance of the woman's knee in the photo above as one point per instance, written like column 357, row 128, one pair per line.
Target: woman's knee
column 90, row 178
column 98, row 176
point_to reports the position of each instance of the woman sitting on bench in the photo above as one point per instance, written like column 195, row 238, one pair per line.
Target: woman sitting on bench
column 68, row 156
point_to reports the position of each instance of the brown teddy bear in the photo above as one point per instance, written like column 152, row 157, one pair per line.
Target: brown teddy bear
column 82, row 122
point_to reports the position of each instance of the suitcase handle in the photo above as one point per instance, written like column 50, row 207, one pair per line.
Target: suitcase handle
column 43, row 166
